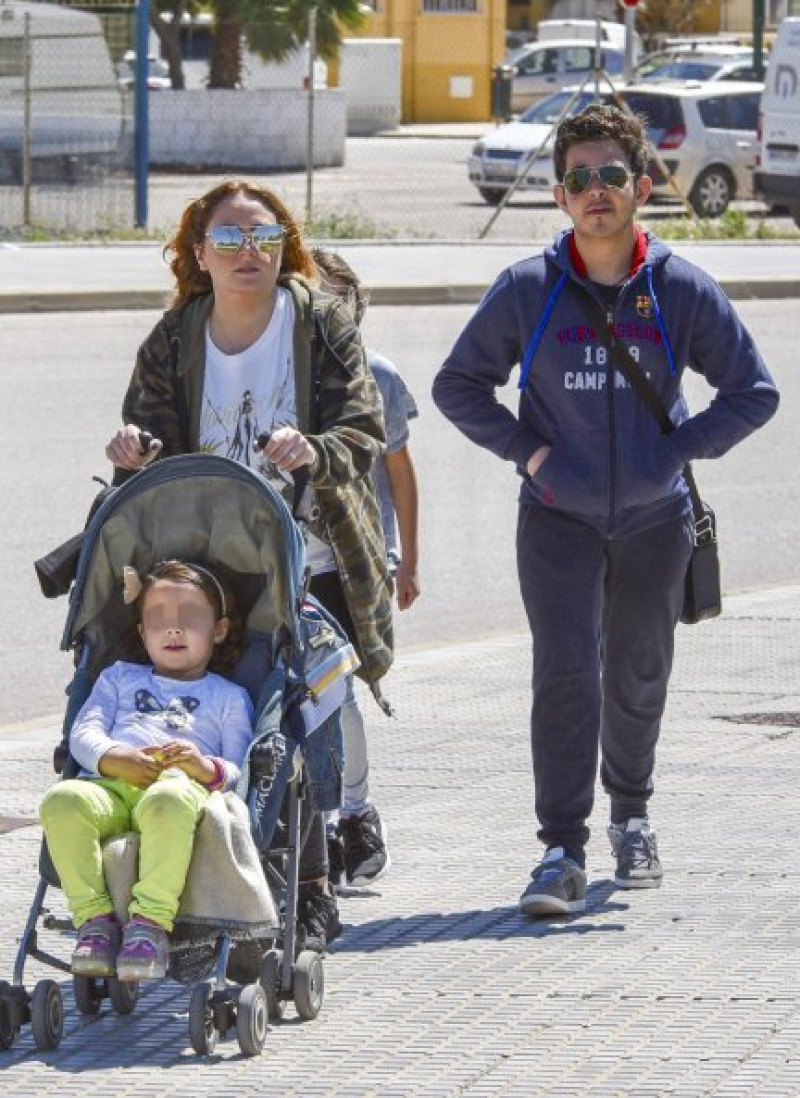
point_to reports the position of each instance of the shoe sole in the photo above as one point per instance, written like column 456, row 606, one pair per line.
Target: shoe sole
column 638, row 882
column 132, row 974
column 551, row 905
column 87, row 968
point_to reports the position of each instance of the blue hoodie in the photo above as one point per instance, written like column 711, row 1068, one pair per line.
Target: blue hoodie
column 610, row 465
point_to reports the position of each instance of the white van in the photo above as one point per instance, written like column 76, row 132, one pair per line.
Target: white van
column 777, row 180
column 61, row 78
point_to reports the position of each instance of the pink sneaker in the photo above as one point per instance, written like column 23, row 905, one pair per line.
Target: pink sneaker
column 97, row 946
column 145, row 951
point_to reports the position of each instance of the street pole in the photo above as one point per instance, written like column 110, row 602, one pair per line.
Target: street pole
column 141, row 121
column 758, row 38
column 630, row 31
column 312, row 54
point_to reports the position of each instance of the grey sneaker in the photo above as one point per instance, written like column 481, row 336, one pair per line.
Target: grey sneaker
column 634, row 847
column 558, row 887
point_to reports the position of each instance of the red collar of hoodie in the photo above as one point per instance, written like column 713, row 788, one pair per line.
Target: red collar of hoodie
column 638, row 255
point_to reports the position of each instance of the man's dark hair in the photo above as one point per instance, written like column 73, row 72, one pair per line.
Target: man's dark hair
column 602, row 123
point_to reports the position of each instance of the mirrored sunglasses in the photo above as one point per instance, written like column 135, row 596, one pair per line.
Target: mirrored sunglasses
column 610, row 175
column 230, row 239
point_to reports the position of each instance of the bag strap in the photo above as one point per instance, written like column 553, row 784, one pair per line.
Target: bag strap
column 645, row 390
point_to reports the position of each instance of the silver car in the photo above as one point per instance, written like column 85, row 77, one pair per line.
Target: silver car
column 704, row 134
column 543, row 67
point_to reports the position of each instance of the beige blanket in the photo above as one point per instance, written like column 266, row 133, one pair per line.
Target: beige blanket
column 225, row 888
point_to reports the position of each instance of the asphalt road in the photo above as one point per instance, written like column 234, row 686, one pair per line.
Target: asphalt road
column 404, row 187
column 61, row 388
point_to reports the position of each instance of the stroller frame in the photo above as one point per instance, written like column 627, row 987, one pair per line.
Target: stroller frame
column 217, row 1005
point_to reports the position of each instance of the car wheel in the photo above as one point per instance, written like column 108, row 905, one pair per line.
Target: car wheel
column 796, row 216
column 713, row 192
column 491, row 195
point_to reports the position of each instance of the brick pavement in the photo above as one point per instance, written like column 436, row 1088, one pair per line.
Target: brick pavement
column 439, row 989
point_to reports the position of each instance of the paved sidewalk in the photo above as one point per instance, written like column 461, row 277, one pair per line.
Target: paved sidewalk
column 439, row 988
column 39, row 277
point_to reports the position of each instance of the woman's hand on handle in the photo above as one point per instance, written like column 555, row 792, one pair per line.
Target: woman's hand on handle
column 132, row 449
column 287, row 449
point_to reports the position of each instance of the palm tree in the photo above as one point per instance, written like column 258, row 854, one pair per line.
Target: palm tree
column 273, row 29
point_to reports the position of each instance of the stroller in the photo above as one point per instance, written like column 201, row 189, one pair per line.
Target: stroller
column 295, row 663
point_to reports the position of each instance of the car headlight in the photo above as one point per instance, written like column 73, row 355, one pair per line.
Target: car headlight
column 478, row 149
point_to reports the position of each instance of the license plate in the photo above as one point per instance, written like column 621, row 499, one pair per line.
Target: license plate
column 506, row 170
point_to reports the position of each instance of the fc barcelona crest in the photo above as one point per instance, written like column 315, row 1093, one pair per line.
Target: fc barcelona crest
column 644, row 307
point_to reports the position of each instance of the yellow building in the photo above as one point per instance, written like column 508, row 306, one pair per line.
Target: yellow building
column 449, row 50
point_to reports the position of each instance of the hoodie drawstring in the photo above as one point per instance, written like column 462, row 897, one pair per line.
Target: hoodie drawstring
column 660, row 321
column 536, row 338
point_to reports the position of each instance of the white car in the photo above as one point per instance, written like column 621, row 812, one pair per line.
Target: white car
column 704, row 61
column 541, row 68
column 705, row 135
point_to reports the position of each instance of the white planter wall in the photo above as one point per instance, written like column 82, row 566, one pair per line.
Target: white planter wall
column 257, row 129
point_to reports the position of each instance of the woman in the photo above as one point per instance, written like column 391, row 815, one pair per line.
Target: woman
column 249, row 348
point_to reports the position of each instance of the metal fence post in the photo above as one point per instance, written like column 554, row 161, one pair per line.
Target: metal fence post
column 27, row 175
column 141, row 153
column 312, row 54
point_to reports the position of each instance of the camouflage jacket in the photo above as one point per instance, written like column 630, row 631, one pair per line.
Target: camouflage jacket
column 338, row 410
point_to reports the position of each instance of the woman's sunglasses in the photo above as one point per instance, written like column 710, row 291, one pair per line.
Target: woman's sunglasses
column 610, row 175
column 230, row 239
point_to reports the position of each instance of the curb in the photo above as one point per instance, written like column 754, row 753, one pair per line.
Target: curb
column 408, row 295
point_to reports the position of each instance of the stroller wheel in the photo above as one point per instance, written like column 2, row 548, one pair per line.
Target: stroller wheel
column 251, row 1020
column 124, row 995
column 89, row 993
column 8, row 1028
column 47, row 1015
column 270, row 979
column 308, row 984
column 203, row 1032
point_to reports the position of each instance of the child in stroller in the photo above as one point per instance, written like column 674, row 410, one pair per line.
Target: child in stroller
column 294, row 664
column 153, row 742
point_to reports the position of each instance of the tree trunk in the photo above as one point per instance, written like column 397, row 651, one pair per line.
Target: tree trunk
column 169, row 36
column 225, row 63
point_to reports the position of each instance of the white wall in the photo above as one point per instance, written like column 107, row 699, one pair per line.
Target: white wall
column 257, row 129
column 370, row 74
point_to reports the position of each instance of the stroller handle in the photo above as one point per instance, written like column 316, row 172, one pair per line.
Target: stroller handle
column 145, row 438
column 301, row 478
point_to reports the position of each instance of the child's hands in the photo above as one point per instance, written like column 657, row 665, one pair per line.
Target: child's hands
column 185, row 756
column 130, row 765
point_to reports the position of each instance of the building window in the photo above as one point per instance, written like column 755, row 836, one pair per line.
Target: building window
column 450, row 7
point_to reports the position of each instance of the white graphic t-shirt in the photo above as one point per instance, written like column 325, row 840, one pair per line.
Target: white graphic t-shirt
column 251, row 392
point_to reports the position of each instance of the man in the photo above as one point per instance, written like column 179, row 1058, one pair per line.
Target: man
column 605, row 527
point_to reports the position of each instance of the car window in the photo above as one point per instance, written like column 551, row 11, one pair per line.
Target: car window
column 746, row 72
column 662, row 112
column 683, row 70
column 538, row 62
column 730, row 112
column 550, row 110
column 613, row 63
column 578, row 59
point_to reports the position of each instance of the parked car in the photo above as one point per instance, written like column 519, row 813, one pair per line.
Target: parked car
column 705, row 135
column 777, row 179
column 703, row 61
column 543, row 67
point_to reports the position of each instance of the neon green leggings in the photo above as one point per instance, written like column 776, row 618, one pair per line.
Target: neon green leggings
column 78, row 814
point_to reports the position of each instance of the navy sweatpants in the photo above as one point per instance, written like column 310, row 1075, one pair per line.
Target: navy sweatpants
column 602, row 614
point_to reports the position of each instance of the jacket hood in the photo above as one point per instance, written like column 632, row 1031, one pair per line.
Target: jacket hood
column 559, row 253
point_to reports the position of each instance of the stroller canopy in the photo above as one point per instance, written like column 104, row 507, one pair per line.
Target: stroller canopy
column 200, row 508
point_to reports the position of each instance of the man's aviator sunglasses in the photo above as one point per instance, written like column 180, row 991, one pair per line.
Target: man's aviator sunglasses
column 230, row 239
column 577, row 180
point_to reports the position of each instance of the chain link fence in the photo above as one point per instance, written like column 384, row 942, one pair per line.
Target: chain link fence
column 66, row 122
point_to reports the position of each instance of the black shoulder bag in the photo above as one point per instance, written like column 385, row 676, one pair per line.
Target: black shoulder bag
column 702, row 596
